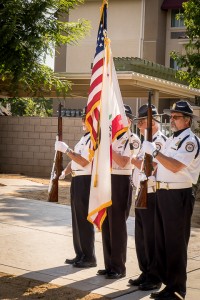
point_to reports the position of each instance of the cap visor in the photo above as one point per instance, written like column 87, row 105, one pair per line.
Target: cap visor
column 169, row 111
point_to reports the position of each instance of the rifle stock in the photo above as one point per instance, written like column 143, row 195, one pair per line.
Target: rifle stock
column 141, row 200
column 57, row 165
column 52, row 172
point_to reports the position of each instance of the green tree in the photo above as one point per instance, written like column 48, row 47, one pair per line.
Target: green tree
column 190, row 61
column 28, row 31
column 29, row 107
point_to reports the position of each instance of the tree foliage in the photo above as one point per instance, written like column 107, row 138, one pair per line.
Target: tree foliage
column 29, row 107
column 28, row 31
column 190, row 61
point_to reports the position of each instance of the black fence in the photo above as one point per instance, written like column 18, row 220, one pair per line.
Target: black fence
column 71, row 112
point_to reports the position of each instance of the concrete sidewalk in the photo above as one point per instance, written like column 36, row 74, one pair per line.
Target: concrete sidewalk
column 36, row 237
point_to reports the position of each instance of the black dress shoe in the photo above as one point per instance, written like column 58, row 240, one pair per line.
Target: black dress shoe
column 103, row 272
column 72, row 261
column 148, row 286
column 84, row 264
column 115, row 275
column 163, row 293
column 136, row 282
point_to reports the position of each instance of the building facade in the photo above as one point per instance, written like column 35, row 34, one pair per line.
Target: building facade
column 146, row 29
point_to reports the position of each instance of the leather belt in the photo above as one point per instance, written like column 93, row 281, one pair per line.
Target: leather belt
column 121, row 172
column 172, row 185
column 79, row 173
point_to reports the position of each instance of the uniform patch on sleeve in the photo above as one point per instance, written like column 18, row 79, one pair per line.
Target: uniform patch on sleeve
column 136, row 144
column 189, row 147
column 158, row 146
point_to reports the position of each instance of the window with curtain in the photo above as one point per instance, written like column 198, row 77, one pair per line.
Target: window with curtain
column 174, row 21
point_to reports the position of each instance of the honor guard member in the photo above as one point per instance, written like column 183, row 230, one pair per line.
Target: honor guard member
column 114, row 229
column 144, row 218
column 80, row 168
column 178, row 168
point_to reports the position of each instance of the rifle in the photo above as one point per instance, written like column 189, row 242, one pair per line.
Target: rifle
column 57, row 164
column 141, row 198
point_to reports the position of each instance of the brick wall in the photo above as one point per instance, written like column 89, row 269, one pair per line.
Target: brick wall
column 27, row 143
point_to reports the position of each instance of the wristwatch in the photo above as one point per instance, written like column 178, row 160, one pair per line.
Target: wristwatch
column 155, row 153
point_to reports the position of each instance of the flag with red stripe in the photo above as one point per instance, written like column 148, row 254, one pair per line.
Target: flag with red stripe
column 95, row 91
column 106, row 120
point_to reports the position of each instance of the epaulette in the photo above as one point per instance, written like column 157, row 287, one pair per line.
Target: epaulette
column 198, row 144
column 164, row 137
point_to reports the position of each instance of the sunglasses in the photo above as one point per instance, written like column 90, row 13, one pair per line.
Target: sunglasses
column 176, row 117
column 141, row 121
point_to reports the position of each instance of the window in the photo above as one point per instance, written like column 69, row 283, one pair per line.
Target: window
column 173, row 64
column 174, row 21
column 178, row 35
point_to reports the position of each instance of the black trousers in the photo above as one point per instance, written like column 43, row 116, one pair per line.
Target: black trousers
column 173, row 222
column 83, row 230
column 114, row 230
column 145, row 239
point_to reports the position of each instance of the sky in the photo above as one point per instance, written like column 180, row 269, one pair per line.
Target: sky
column 50, row 62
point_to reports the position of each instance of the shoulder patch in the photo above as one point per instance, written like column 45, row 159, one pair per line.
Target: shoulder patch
column 189, row 147
column 136, row 144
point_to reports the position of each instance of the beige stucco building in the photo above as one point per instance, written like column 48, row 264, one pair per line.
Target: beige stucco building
column 137, row 28
column 144, row 29
column 142, row 36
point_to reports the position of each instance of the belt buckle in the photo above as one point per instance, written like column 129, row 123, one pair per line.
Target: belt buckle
column 73, row 173
column 157, row 185
column 165, row 185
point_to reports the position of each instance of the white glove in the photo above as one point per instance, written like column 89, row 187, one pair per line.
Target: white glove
column 142, row 177
column 148, row 147
column 61, row 146
column 62, row 176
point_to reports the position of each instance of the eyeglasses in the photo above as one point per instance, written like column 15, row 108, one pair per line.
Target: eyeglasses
column 175, row 117
column 142, row 121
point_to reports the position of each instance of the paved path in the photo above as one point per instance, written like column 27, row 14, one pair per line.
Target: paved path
column 36, row 237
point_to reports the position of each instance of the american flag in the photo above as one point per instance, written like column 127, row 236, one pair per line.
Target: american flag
column 95, row 91
column 106, row 120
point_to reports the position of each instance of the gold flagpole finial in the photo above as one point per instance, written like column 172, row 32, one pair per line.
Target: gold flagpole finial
column 105, row 2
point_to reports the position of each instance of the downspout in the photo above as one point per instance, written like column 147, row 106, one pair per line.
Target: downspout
column 142, row 20
column 141, row 43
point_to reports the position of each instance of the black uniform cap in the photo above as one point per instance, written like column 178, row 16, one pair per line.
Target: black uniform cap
column 128, row 111
column 182, row 107
column 143, row 112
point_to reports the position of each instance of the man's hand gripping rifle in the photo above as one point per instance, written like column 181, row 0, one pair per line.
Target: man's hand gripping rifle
column 146, row 166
